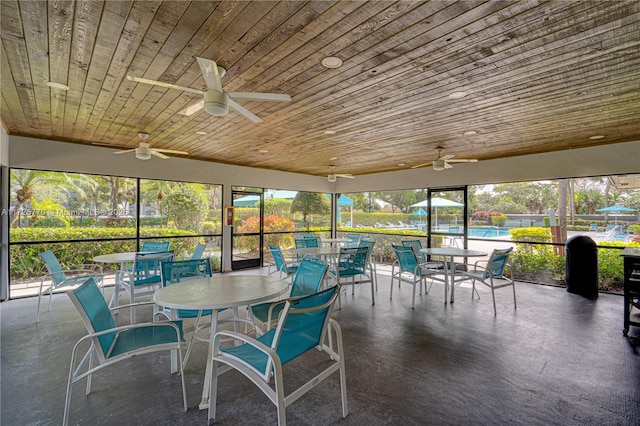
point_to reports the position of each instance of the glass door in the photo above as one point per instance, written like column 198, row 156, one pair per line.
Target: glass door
column 447, row 217
column 246, row 238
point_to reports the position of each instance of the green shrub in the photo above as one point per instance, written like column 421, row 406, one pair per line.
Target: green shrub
column 500, row 220
column 25, row 262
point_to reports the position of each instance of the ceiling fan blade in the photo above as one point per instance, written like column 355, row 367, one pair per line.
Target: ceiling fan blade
column 422, row 165
column 464, row 160
column 192, row 109
column 169, row 151
column 124, row 151
column 249, row 96
column 244, row 112
column 158, row 154
column 447, row 157
column 346, row 176
column 163, row 84
column 211, row 73
column 447, row 165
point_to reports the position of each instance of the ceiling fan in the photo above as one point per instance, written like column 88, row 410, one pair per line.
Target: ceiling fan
column 332, row 176
column 144, row 151
column 443, row 161
column 216, row 101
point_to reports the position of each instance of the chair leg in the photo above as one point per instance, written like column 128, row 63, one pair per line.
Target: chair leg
column 213, row 392
column 39, row 297
column 515, row 305
column 279, row 388
column 493, row 295
column 413, row 297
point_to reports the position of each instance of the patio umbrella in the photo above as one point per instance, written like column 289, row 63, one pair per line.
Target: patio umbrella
column 420, row 212
column 438, row 202
column 616, row 209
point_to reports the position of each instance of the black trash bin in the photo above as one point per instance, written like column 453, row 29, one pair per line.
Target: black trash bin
column 582, row 266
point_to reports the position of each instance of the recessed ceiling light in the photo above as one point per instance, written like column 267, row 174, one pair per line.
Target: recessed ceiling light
column 470, row 133
column 597, row 137
column 333, row 158
column 331, row 62
column 58, row 86
column 401, row 164
column 263, row 151
column 329, row 132
column 457, row 95
column 201, row 133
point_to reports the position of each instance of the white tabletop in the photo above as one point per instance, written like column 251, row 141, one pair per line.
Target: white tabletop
column 221, row 291
column 452, row 251
column 319, row 251
column 124, row 257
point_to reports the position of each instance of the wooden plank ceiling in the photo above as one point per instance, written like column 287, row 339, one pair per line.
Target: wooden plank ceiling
column 539, row 76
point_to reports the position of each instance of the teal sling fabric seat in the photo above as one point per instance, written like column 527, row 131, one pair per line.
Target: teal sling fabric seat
column 307, row 281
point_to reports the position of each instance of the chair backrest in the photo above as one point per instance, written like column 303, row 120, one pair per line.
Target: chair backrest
column 353, row 259
column 53, row 266
column 307, row 242
column 497, row 262
column 147, row 266
column 303, row 324
column 199, row 250
column 308, row 278
column 278, row 258
column 369, row 246
column 416, row 245
column 406, row 258
column 182, row 270
column 354, row 239
column 95, row 314
column 158, row 246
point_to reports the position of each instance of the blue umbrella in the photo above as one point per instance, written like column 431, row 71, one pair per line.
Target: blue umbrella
column 615, row 209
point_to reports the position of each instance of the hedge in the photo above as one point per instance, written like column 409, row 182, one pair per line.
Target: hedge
column 25, row 262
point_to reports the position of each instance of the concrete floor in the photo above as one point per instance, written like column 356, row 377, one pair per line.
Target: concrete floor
column 559, row 359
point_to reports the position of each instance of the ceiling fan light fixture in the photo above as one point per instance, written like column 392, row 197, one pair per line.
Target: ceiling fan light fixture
column 143, row 152
column 438, row 165
column 216, row 103
column 331, row 178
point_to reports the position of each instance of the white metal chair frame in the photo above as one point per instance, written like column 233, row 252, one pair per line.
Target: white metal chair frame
column 492, row 275
column 330, row 332
column 407, row 263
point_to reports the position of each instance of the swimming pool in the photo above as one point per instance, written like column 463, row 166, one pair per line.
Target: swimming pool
column 488, row 232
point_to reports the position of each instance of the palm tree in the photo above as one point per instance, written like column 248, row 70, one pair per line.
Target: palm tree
column 24, row 184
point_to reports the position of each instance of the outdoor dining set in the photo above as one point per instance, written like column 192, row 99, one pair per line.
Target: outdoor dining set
column 274, row 319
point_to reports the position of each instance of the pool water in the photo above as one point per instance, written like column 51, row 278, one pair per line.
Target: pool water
column 488, row 232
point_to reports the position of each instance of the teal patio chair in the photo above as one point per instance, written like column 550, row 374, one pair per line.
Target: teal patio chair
column 59, row 277
column 110, row 344
column 307, row 243
column 198, row 251
column 354, row 240
column 284, row 268
column 493, row 275
column 149, row 246
column 352, row 263
column 183, row 270
column 142, row 280
column 307, row 280
column 407, row 264
column 371, row 265
column 304, row 324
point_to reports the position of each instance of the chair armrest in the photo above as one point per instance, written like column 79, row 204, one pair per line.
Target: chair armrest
column 132, row 304
column 87, row 266
column 246, row 339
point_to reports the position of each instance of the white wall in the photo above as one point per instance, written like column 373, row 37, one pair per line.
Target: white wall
column 622, row 158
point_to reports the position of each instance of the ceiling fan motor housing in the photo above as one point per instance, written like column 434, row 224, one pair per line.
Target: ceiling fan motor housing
column 216, row 103
column 331, row 178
